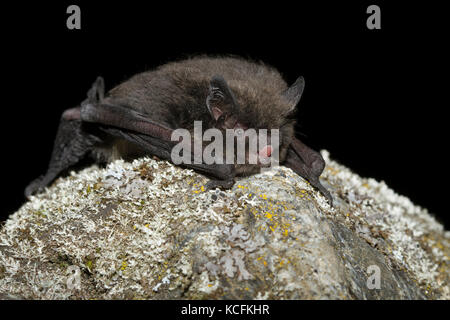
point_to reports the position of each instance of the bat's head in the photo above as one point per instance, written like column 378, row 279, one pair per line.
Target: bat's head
column 248, row 109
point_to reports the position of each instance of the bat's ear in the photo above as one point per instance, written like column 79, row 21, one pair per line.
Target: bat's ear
column 294, row 93
column 220, row 99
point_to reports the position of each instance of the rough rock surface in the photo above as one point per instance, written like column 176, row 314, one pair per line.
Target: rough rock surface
column 148, row 230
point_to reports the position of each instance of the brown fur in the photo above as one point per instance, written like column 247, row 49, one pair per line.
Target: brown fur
column 175, row 95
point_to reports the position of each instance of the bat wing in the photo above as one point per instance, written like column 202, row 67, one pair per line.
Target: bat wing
column 162, row 149
column 308, row 164
column 140, row 129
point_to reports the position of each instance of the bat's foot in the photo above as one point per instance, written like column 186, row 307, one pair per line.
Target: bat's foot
column 35, row 187
column 323, row 191
column 222, row 184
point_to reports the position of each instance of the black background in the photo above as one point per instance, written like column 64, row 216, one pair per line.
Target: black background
column 376, row 99
column 171, row 309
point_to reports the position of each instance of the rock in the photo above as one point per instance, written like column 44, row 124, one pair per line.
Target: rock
column 149, row 230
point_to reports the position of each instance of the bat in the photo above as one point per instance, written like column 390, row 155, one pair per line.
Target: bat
column 138, row 117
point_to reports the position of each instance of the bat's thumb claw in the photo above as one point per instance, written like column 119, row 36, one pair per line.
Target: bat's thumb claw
column 323, row 191
column 329, row 198
column 222, row 184
column 327, row 195
column 36, row 186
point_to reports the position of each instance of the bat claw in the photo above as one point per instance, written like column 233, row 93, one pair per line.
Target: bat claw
column 35, row 187
column 323, row 191
column 329, row 197
column 222, row 184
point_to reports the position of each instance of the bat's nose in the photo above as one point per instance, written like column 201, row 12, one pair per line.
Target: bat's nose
column 266, row 152
column 264, row 155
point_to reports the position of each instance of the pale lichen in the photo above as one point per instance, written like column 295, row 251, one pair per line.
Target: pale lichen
column 148, row 229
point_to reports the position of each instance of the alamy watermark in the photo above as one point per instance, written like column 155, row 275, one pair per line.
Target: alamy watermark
column 74, row 279
column 250, row 146
column 374, row 19
column 74, row 19
column 374, row 279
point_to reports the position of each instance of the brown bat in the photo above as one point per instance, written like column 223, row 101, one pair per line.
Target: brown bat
column 138, row 117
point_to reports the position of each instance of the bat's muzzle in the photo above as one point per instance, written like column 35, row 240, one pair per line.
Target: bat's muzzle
column 265, row 154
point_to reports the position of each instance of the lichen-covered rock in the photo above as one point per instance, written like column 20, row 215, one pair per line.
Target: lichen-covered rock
column 149, row 230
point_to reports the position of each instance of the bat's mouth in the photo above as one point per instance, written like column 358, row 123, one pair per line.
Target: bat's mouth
column 264, row 156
